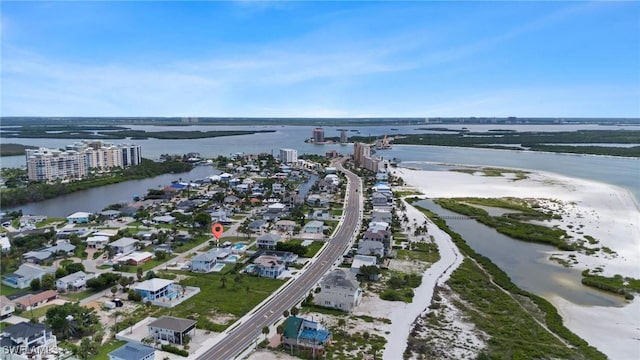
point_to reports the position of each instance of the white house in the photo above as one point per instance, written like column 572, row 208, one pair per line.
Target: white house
column 25, row 337
column 5, row 244
column 370, row 247
column 362, row 260
column 97, row 242
column 268, row 241
column 79, row 217
column 22, row 277
column 278, row 188
column 381, row 215
column 206, row 261
column 165, row 219
column 340, row 290
column 75, row 281
column 313, row 227
column 124, row 245
column 172, row 329
column 286, row 225
column 153, row 289
column 7, row 307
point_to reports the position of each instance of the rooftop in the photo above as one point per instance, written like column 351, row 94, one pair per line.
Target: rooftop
column 173, row 323
column 132, row 351
column 154, row 284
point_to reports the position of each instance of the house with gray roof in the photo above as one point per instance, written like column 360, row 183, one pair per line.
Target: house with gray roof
column 268, row 241
column 73, row 282
column 133, row 351
column 123, row 246
column 370, row 247
column 24, row 337
column 339, row 290
column 21, row 278
column 49, row 252
column 172, row 329
column 205, row 262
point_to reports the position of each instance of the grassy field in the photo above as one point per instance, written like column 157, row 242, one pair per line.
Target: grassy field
column 239, row 294
column 7, row 290
column 76, row 296
column 103, row 352
column 426, row 252
column 199, row 239
column 37, row 313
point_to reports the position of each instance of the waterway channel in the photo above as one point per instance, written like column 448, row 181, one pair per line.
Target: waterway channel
column 527, row 264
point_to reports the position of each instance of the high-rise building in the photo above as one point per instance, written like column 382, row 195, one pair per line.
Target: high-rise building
column 317, row 135
column 343, row 137
column 77, row 159
column 288, row 156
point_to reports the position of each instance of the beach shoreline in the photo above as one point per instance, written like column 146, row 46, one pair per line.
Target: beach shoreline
column 609, row 213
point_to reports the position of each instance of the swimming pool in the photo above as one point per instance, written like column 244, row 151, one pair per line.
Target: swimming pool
column 238, row 246
column 232, row 258
column 249, row 268
column 217, row 267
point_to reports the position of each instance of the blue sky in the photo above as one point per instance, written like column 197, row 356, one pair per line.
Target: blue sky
column 318, row 59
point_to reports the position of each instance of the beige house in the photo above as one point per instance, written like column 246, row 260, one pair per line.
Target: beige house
column 339, row 290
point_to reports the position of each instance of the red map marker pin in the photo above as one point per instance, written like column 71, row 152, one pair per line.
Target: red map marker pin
column 217, row 230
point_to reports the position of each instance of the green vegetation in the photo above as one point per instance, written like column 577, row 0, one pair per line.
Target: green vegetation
column 14, row 149
column 489, row 171
column 105, row 349
column 174, row 350
column 399, row 286
column 551, row 317
column 535, row 141
column 239, row 294
column 295, row 246
column 8, row 291
column 197, row 240
column 616, row 284
column 510, row 225
column 425, row 252
column 34, row 192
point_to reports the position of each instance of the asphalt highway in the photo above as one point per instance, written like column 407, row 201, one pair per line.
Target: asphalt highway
column 241, row 336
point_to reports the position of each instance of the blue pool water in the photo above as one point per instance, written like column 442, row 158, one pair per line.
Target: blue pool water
column 233, row 258
column 218, row 267
column 238, row 246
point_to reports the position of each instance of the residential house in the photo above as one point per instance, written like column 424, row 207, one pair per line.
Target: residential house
column 278, row 188
column 26, row 273
column 363, row 260
column 7, row 307
column 340, row 290
column 382, row 187
column 286, row 257
column 23, row 338
column 269, row 266
column 136, row 258
column 381, row 199
column 313, row 227
column 73, row 282
column 381, row 215
column 370, row 247
column 258, row 226
column 205, row 262
column 383, row 236
column 317, row 200
column 32, row 301
column 5, row 244
column 123, row 246
column 172, row 329
column 79, row 218
column 153, row 289
column 164, row 219
column 62, row 248
column 30, row 221
column 97, row 242
column 268, row 241
column 110, row 214
column 133, row 351
column 231, row 200
column 320, row 214
column 303, row 333
column 286, row 225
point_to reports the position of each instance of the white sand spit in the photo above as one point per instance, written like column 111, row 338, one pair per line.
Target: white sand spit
column 608, row 213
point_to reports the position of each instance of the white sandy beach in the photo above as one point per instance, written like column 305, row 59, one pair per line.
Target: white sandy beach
column 608, row 213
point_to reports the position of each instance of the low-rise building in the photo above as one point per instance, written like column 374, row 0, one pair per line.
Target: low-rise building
column 25, row 337
column 79, row 217
column 73, row 282
column 136, row 258
column 5, row 244
column 123, row 246
column 32, row 301
column 268, row 241
column 363, row 260
column 133, row 351
column 7, row 307
column 299, row 332
column 313, row 227
column 172, row 329
column 340, row 290
column 153, row 289
column 286, row 225
column 370, row 247
column 21, row 278
column 97, row 242
column 205, row 262
column 269, row 266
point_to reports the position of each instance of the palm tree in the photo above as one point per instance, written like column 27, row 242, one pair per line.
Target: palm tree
column 266, row 331
column 285, row 313
column 294, row 311
column 223, row 282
